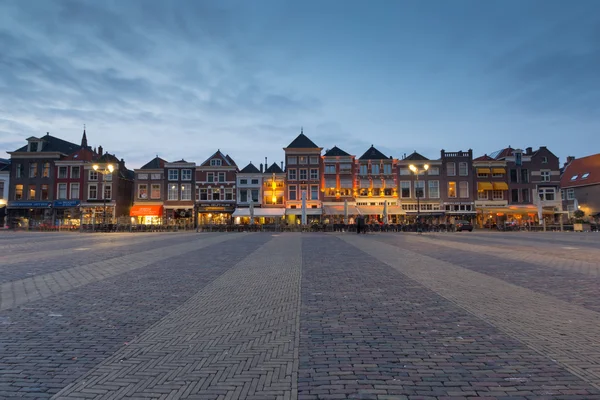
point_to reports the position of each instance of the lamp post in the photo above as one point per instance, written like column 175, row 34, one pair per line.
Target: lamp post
column 418, row 171
column 104, row 170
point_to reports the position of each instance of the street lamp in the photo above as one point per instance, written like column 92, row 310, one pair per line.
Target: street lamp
column 418, row 171
column 106, row 169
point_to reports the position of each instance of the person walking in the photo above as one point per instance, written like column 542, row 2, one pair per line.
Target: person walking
column 360, row 222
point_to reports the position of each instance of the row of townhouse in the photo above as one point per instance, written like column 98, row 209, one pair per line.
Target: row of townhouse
column 62, row 182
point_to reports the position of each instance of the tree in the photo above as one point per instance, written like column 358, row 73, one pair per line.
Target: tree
column 578, row 214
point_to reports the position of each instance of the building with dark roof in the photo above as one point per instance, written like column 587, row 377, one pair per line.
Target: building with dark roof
column 303, row 167
column 339, row 170
column 427, row 187
column 216, row 187
column 490, row 191
column 149, row 197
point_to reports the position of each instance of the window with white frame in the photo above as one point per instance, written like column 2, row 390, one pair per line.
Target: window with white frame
column 363, row 169
column 93, row 192
column 74, row 191
column 570, row 194
column 221, row 176
column 375, row 169
column 405, row 189
column 243, row 181
column 228, row 194
column 547, row 194
column 107, row 177
column 62, row 172
column 463, row 169
column 173, row 191
column 292, row 174
column 243, row 196
column 405, row 171
column 433, row 171
column 46, row 170
column 434, row 189
column 303, row 174
column 155, row 192
column 142, row 191
column 292, row 194
column 156, row 176
column 216, row 194
column 292, row 160
column 497, row 195
column 463, row 188
column 142, row 177
column 254, row 195
column 330, row 168
column 314, row 160
column 545, row 176
column 107, row 191
column 186, row 191
column 173, row 174
column 482, row 174
column 420, row 189
column 61, row 193
column 93, row 175
column 215, row 162
column 387, row 169
column 314, row 174
column 482, row 195
column 210, row 177
column 451, row 169
column 314, row 192
column 203, row 194
column 75, row 172
column 254, row 181
column 302, row 160
column 452, row 189
column 33, row 170
column 186, row 174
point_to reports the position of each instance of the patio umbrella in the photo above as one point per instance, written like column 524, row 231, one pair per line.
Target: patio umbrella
column 346, row 212
column 304, row 222
column 385, row 213
column 251, row 208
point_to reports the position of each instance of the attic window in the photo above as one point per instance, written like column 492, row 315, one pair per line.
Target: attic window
column 574, row 177
column 33, row 146
column 585, row 176
column 215, row 162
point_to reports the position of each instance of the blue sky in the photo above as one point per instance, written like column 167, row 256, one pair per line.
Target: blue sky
column 183, row 78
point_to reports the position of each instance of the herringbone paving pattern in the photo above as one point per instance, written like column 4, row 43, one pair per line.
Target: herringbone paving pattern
column 317, row 316
column 235, row 339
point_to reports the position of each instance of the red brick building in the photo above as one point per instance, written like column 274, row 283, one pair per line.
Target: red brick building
column 215, row 189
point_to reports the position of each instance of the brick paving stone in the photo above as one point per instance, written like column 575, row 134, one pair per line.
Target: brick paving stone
column 49, row 343
column 73, row 251
column 568, row 285
column 236, row 338
column 22, row 291
column 567, row 334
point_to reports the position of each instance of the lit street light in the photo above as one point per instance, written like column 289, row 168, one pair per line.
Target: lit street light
column 418, row 191
column 104, row 170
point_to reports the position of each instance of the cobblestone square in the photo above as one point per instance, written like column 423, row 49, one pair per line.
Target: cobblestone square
column 484, row 315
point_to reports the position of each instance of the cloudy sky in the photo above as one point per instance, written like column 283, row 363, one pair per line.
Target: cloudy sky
column 183, row 78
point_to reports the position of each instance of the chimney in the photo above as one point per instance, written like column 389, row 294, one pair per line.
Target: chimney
column 266, row 164
column 570, row 159
column 261, row 168
column 282, row 165
column 529, row 150
column 100, row 150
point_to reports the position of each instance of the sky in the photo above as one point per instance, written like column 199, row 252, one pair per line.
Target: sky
column 183, row 78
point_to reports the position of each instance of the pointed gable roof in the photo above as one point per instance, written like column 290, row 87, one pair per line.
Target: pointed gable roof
column 230, row 160
column 156, row 163
column 373, row 154
column 416, row 157
column 274, row 169
column 226, row 160
column 249, row 169
column 336, row 152
column 484, row 157
column 302, row 142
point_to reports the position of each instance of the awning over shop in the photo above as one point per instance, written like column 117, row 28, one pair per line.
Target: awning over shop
column 484, row 171
column 498, row 171
column 269, row 212
column 378, row 210
column 484, row 186
column 500, row 186
column 298, row 211
column 146, row 211
column 339, row 210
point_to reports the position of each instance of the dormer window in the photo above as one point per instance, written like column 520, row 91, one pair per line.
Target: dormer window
column 215, row 163
column 574, row 177
column 585, row 176
column 33, row 146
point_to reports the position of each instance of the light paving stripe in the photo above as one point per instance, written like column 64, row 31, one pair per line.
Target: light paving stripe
column 236, row 338
column 529, row 256
column 23, row 291
column 566, row 333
